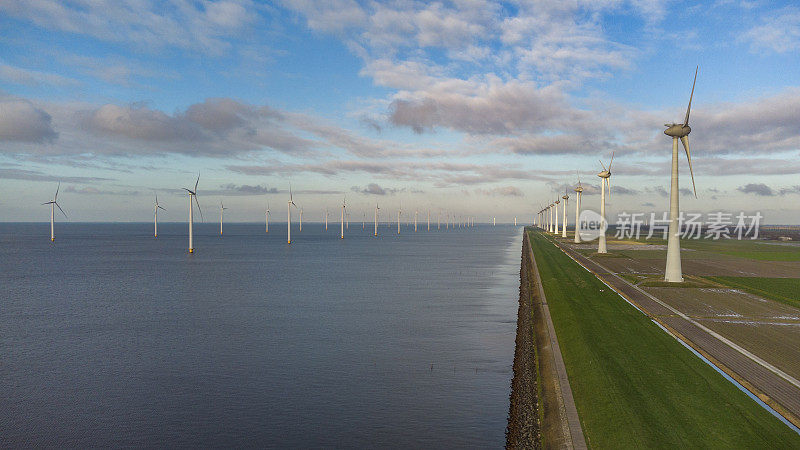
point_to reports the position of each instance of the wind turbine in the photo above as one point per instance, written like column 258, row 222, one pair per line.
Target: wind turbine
column 53, row 204
column 416, row 213
column 555, row 211
column 673, row 273
column 605, row 179
column 301, row 219
column 578, row 194
column 429, row 219
column 399, row 211
column 266, row 217
column 363, row 219
column 221, row 211
column 156, row 207
column 289, row 205
column 376, row 218
column 193, row 195
column 344, row 205
column 564, row 222
column 326, row 219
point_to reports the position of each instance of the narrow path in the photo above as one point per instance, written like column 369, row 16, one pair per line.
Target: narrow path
column 777, row 389
column 572, row 432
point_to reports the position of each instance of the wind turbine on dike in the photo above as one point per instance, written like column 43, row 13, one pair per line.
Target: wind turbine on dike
column 565, row 197
column 289, row 205
column 605, row 179
column 673, row 273
column 53, row 204
column 193, row 195
column 578, row 193
column 156, row 207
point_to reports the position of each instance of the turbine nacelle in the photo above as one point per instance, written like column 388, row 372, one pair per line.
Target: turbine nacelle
column 677, row 130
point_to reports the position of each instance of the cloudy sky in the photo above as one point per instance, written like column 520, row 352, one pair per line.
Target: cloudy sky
column 484, row 108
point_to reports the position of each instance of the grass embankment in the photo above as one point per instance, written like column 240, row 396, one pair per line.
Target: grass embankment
column 636, row 386
column 784, row 290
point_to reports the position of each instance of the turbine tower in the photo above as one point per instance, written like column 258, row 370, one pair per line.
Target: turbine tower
column 221, row 211
column 605, row 179
column 289, row 205
column 301, row 219
column 578, row 193
column 416, row 213
column 326, row 219
column 53, row 204
column 193, row 195
column 156, row 207
column 564, row 222
column 376, row 218
column 673, row 273
column 429, row 219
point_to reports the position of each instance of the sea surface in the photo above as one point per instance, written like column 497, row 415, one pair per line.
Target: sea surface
column 109, row 337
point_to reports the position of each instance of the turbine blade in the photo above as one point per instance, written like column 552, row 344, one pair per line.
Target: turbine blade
column 57, row 188
column 160, row 207
column 198, row 180
column 612, row 161
column 608, row 180
column 601, row 163
column 689, row 108
column 62, row 211
column 685, row 142
column 198, row 208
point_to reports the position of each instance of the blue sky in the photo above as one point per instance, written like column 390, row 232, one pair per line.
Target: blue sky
column 482, row 108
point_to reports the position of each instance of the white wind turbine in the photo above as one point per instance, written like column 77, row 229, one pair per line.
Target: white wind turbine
column 156, row 207
column 301, row 219
column 344, row 206
column 193, row 195
column 416, row 213
column 565, row 197
column 399, row 211
column 326, row 219
column 578, row 194
column 555, row 212
column 266, row 217
column 289, row 205
column 221, row 211
column 53, row 204
column 673, row 272
column 376, row 218
column 429, row 219
column 605, row 179
column 363, row 219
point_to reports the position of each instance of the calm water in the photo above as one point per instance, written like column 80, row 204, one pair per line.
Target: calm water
column 112, row 338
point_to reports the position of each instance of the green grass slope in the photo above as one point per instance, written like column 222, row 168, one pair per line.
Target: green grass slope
column 634, row 385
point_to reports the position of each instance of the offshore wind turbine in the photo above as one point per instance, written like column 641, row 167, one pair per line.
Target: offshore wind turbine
column 565, row 197
column 156, row 207
column 416, row 213
column 399, row 211
column 376, row 218
column 673, row 272
column 289, row 205
column 193, row 195
column 301, row 219
column 221, row 211
column 53, row 204
column 429, row 219
column 605, row 179
column 326, row 219
column 344, row 206
column 578, row 194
